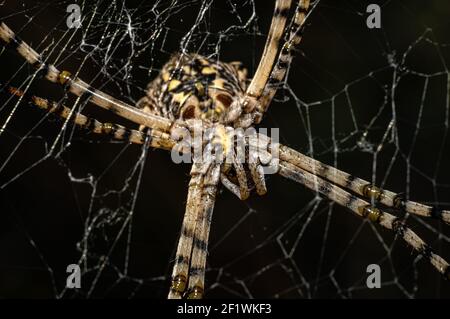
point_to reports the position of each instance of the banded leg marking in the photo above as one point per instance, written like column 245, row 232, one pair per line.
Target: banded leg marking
column 79, row 87
column 364, row 209
column 361, row 186
column 158, row 139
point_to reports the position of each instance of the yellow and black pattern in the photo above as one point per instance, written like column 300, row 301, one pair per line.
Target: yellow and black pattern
column 193, row 86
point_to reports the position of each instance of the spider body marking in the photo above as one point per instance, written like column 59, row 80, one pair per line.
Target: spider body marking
column 191, row 86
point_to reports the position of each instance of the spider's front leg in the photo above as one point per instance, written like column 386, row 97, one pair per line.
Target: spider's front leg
column 249, row 109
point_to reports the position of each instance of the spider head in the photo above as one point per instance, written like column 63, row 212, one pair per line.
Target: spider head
column 191, row 86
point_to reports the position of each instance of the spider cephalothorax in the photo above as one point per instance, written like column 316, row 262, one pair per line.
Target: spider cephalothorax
column 193, row 86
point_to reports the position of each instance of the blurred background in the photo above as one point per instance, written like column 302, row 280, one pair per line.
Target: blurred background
column 373, row 102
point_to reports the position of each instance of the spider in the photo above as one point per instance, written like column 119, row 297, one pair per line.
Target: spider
column 194, row 93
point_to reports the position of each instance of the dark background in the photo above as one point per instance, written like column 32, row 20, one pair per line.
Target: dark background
column 45, row 216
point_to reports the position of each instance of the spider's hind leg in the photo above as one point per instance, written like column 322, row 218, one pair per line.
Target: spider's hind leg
column 188, row 275
column 201, row 236
column 180, row 270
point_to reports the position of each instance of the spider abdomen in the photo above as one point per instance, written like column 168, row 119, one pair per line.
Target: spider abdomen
column 193, row 86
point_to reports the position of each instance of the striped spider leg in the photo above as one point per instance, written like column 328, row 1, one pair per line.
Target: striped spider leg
column 362, row 187
column 365, row 209
column 250, row 110
column 188, row 272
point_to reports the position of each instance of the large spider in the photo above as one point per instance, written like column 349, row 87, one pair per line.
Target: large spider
column 193, row 93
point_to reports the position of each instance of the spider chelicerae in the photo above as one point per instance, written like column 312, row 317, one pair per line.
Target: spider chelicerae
column 195, row 93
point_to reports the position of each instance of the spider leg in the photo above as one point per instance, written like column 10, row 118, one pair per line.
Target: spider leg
column 189, row 269
column 241, row 190
column 256, row 87
column 180, row 270
column 158, row 139
column 285, row 56
column 79, row 87
column 361, row 186
column 276, row 31
column 269, row 74
column 257, row 173
column 365, row 210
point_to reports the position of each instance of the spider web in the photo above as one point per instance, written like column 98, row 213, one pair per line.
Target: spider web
column 372, row 102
